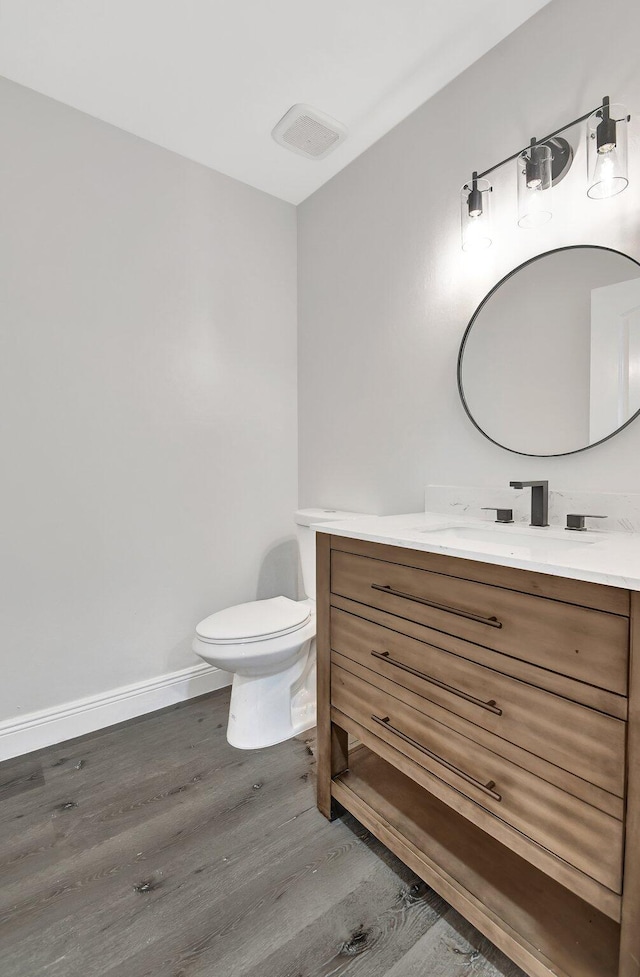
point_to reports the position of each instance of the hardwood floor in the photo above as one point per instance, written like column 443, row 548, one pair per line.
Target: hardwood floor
column 155, row 848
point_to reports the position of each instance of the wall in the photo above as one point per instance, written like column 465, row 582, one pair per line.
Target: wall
column 147, row 403
column 385, row 291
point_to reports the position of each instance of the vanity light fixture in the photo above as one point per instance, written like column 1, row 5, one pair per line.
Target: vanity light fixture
column 543, row 164
column 607, row 151
column 535, row 160
column 535, row 180
column 475, row 214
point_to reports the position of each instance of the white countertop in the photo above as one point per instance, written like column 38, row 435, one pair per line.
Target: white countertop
column 598, row 557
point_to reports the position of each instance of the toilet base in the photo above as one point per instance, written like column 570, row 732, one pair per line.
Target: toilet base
column 269, row 709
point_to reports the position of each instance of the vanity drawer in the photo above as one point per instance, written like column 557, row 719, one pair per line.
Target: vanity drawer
column 588, row 645
column 582, row 741
column 585, row 837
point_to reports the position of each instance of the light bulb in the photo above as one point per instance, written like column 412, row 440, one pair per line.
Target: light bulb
column 475, row 214
column 475, row 235
column 606, row 147
column 605, row 172
column 533, row 175
column 475, row 203
column 607, row 151
column 609, row 175
column 534, row 185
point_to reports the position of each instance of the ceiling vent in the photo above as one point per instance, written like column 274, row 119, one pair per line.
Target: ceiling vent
column 308, row 132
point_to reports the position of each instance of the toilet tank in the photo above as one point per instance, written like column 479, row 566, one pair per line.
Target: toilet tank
column 307, row 521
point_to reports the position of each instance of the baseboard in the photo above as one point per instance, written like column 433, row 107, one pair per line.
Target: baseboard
column 49, row 726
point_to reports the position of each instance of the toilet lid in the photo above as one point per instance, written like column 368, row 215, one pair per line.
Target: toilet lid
column 254, row 621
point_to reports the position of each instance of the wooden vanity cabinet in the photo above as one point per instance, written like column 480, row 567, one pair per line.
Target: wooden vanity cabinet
column 496, row 717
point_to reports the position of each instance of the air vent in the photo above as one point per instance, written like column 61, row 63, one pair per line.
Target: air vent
column 308, row 132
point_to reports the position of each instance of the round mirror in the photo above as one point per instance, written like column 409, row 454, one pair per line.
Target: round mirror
column 550, row 362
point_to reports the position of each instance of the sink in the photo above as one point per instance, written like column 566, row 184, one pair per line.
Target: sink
column 536, row 540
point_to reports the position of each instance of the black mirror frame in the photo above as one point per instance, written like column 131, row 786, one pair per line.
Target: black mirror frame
column 514, row 271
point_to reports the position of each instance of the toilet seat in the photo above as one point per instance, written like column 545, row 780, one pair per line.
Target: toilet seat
column 257, row 620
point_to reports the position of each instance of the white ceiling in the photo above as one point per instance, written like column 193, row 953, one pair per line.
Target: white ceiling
column 210, row 78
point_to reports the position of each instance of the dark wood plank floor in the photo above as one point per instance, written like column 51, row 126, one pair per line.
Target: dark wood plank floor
column 155, row 848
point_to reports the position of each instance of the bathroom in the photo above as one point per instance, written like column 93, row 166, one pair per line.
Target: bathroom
column 203, row 333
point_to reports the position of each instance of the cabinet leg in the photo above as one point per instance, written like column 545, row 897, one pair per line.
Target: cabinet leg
column 333, row 758
column 333, row 749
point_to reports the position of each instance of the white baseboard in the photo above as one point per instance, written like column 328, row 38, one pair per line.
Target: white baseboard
column 49, row 726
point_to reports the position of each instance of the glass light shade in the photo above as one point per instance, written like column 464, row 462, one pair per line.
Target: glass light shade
column 607, row 153
column 475, row 215
column 534, row 186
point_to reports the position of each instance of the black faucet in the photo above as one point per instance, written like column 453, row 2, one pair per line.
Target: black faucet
column 539, row 501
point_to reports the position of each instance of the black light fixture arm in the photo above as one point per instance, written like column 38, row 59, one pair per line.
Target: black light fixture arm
column 603, row 107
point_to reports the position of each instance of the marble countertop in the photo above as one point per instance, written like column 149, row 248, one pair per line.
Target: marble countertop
column 606, row 558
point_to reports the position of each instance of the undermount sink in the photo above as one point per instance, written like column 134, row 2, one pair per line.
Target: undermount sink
column 505, row 538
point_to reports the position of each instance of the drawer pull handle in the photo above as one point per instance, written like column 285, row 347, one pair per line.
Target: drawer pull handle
column 485, row 788
column 490, row 706
column 493, row 622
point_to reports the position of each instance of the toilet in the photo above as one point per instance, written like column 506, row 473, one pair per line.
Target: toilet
column 269, row 646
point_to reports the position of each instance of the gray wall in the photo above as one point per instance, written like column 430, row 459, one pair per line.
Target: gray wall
column 385, row 291
column 147, row 402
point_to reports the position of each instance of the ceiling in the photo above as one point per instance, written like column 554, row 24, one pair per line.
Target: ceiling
column 210, row 78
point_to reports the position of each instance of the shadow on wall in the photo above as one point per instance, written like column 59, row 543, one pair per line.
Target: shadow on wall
column 279, row 574
column 279, row 571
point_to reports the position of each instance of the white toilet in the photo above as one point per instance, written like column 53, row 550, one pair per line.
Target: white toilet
column 270, row 647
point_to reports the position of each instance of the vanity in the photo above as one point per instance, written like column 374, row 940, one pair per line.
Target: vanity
column 490, row 679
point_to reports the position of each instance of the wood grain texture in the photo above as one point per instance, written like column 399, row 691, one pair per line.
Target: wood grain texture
column 334, row 748
column 586, row 838
column 17, row 776
column 589, row 695
column 557, row 636
column 541, row 925
column 591, row 891
column 515, row 684
column 595, row 796
column 558, row 869
column 611, row 599
column 580, row 740
column 157, row 850
column 630, row 930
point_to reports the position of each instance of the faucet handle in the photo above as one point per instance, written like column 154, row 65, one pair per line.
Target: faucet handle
column 504, row 515
column 575, row 521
